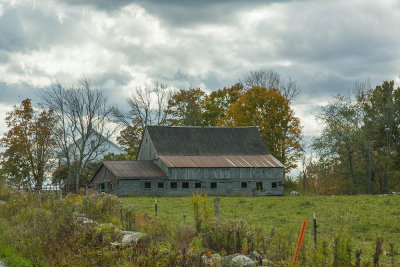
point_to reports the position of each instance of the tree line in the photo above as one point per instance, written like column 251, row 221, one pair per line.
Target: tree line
column 358, row 151
column 62, row 138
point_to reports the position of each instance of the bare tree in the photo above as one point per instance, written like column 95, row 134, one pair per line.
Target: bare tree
column 82, row 125
column 271, row 79
column 147, row 106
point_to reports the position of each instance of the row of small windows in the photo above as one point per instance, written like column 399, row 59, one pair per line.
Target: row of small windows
column 213, row 185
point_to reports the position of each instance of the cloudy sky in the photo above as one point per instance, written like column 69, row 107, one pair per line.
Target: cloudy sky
column 325, row 46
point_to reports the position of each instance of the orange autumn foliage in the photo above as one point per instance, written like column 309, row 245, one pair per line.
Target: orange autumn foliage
column 270, row 112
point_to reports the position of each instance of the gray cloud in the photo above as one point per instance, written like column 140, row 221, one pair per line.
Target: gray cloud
column 14, row 94
column 324, row 46
column 11, row 33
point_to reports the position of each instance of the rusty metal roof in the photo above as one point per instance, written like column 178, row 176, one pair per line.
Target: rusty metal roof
column 227, row 161
column 134, row 168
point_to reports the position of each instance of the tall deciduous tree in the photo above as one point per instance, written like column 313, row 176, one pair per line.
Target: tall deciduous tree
column 147, row 106
column 359, row 145
column 185, row 107
column 30, row 146
column 342, row 122
column 217, row 102
column 272, row 80
column 82, row 126
column 270, row 112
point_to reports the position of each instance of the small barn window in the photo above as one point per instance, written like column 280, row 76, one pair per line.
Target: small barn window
column 197, row 185
column 274, row 184
column 244, row 184
column 280, row 184
column 214, row 185
column 185, row 185
column 259, row 186
column 174, row 185
column 160, row 185
column 147, row 185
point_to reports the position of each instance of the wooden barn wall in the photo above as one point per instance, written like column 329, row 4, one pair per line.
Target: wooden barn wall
column 229, row 182
column 147, row 150
column 106, row 178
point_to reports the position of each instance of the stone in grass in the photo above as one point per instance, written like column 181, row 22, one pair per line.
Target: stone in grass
column 83, row 219
column 242, row 261
column 214, row 260
column 227, row 259
column 129, row 238
column 2, row 202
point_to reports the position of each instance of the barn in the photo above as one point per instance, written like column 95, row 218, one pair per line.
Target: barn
column 179, row 161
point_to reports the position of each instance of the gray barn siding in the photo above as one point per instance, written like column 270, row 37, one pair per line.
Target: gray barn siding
column 106, row 177
column 147, row 150
column 225, row 185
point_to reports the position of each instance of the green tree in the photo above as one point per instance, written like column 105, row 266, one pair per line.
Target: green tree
column 270, row 112
column 382, row 116
column 339, row 141
column 30, row 146
column 185, row 107
column 129, row 139
column 216, row 104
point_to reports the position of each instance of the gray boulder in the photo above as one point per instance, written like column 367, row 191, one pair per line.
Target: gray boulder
column 227, row 259
column 2, row 202
column 83, row 219
column 129, row 238
column 242, row 261
column 214, row 260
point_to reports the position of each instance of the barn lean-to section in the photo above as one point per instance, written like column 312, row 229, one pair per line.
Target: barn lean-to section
column 212, row 160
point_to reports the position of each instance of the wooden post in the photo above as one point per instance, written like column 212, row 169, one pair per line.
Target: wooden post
column 155, row 206
column 121, row 212
column 315, row 230
column 217, row 208
column 299, row 242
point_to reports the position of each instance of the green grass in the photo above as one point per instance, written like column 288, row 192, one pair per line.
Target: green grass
column 362, row 217
column 11, row 258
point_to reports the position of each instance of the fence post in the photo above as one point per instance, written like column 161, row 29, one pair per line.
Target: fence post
column 299, row 242
column 217, row 207
column 315, row 230
column 155, row 206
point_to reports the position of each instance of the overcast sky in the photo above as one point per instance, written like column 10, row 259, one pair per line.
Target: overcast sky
column 325, row 46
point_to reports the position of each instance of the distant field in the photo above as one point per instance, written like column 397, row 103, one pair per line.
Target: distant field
column 364, row 218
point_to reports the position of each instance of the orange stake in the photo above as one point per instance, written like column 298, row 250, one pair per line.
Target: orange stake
column 300, row 241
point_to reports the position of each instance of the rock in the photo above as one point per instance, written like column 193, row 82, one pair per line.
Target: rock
column 2, row 202
column 242, row 261
column 83, row 219
column 227, row 259
column 207, row 261
column 129, row 238
column 214, row 260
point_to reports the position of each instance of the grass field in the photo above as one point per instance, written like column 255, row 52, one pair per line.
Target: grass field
column 363, row 218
